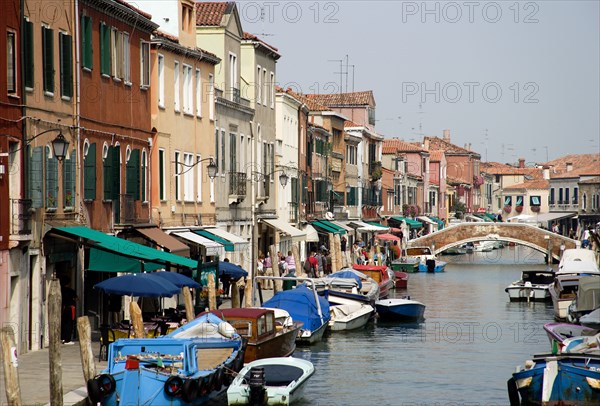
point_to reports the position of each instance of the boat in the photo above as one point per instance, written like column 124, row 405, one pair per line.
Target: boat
column 534, row 285
column 483, row 246
column 401, row 281
column 591, row 320
column 565, row 379
column 428, row 261
column 403, row 309
column 189, row 366
column 587, row 299
column 458, row 250
column 469, row 247
column 406, row 264
column 305, row 305
column 380, row 275
column 349, row 284
column 266, row 337
column 350, row 316
column 559, row 332
column 270, row 381
column 574, row 264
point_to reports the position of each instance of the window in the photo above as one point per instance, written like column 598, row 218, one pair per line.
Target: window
column 66, row 65
column 242, row 154
column 176, row 89
column 89, row 172
column 551, row 198
column 351, row 154
column 161, row 80
column 508, row 200
column 115, row 48
column 519, row 200
column 36, row 176
column 258, row 84
column 223, row 151
column 144, row 172
column 28, row 60
column 69, row 175
column 126, row 59
column 86, row 42
column 188, row 177
column 371, row 112
column 111, row 171
column 566, row 201
column 105, row 50
column 198, row 178
column 187, row 89
column 535, row 200
column 145, row 64
column 11, row 62
column 265, row 87
column 233, row 152
column 235, row 93
column 51, row 180
column 132, row 174
column 48, row 59
column 398, row 194
column 272, row 86
column 198, row 93
column 575, row 195
column 560, row 195
column 177, row 177
column 211, row 97
column 584, row 201
column 217, row 154
column 162, row 175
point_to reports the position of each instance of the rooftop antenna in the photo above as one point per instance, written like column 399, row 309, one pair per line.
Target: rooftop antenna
column 341, row 72
column 352, row 77
column 420, row 113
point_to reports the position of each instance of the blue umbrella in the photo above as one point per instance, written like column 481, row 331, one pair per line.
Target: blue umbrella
column 138, row 285
column 176, row 279
column 231, row 270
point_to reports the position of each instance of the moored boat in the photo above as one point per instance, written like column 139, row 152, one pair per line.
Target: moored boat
column 406, row 264
column 559, row 332
column 347, row 283
column 428, row 262
column 587, row 300
column 350, row 316
column 401, row 279
column 270, row 381
column 400, row 309
column 380, row 275
column 534, row 285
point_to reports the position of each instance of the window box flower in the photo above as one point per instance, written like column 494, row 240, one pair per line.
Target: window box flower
column 507, row 209
column 535, row 209
column 519, row 209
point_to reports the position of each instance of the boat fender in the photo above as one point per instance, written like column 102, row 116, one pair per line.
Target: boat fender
column 100, row 386
column 173, row 386
column 189, row 391
column 226, row 329
column 204, row 386
column 257, row 383
column 93, row 390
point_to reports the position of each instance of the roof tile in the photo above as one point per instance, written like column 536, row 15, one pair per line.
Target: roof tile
column 364, row 98
column 394, row 145
column 210, row 13
column 436, row 143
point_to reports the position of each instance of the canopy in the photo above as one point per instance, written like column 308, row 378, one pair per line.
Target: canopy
column 426, row 219
column 329, row 227
column 521, row 218
column 341, row 225
column 238, row 241
column 388, row 237
column 311, row 234
column 553, row 216
column 142, row 284
column 348, row 274
column 165, row 241
column 441, row 224
column 231, row 270
column 301, row 305
column 367, row 228
column 212, row 247
column 409, row 222
column 123, row 255
column 588, row 294
column 229, row 247
column 286, row 228
column 176, row 279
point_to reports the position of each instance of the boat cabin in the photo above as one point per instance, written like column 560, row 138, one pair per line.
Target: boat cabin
column 249, row 323
column 418, row 251
column 538, row 277
column 377, row 273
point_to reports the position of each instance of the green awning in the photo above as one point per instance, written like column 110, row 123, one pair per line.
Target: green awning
column 490, row 216
column 409, row 222
column 229, row 246
column 113, row 254
column 437, row 220
column 482, row 216
column 329, row 227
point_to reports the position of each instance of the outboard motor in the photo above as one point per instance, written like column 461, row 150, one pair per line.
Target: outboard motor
column 258, row 392
column 430, row 265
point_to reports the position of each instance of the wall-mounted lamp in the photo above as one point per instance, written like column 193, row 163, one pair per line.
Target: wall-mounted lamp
column 211, row 167
column 60, row 145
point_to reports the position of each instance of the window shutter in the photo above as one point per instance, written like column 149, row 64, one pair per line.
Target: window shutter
column 133, row 174
column 36, row 176
column 86, row 41
column 48, row 59
column 104, row 49
column 116, row 172
column 28, row 54
column 143, row 176
column 51, row 183
column 69, row 180
column 66, row 66
column 108, row 173
column 294, row 185
column 89, row 174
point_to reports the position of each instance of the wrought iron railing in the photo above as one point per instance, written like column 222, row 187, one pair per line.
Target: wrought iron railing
column 293, row 215
column 127, row 209
column 20, row 218
column 237, row 184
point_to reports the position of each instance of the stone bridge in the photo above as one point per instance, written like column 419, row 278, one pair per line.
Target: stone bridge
column 525, row 234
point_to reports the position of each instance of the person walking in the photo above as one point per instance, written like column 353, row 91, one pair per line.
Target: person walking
column 268, row 270
column 291, row 263
column 357, row 252
column 343, row 243
column 67, row 320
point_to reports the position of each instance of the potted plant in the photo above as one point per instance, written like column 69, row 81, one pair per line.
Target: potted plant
column 535, row 209
column 507, row 209
column 519, row 209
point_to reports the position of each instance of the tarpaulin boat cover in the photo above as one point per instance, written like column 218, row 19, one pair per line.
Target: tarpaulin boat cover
column 301, row 305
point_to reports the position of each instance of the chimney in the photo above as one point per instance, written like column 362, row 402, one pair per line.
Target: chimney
column 546, row 172
column 447, row 135
column 521, row 162
column 426, row 144
column 569, row 166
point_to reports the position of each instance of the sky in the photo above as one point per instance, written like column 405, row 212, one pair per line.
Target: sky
column 512, row 78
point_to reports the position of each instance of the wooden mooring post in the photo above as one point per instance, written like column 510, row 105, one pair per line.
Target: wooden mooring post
column 10, row 363
column 54, row 352
column 84, row 331
column 189, row 306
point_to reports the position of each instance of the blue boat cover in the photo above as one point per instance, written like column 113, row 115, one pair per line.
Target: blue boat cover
column 300, row 304
column 348, row 274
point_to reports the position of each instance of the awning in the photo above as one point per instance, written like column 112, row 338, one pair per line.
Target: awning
column 311, row 234
column 212, row 248
column 441, row 224
column 286, row 228
column 238, row 241
column 427, row 220
column 409, row 222
column 165, row 241
column 328, row 227
column 112, row 254
column 553, row 216
column 229, row 247
column 367, row 228
column 342, row 225
column 490, row 216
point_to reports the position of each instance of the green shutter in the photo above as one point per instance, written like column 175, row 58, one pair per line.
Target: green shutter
column 86, row 41
column 104, row 49
column 133, row 175
column 66, row 66
column 48, row 58
column 69, row 180
column 304, row 192
column 51, row 183
column 36, row 177
column 294, row 185
column 28, row 61
column 161, row 174
column 116, row 172
column 89, row 174
column 107, row 174
column 143, row 176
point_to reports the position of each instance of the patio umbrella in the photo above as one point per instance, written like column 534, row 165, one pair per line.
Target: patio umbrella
column 389, row 237
column 176, row 279
column 143, row 285
column 231, row 270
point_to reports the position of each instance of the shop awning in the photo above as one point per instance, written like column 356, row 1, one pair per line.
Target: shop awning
column 440, row 223
column 328, row 227
column 367, row 228
column 427, row 220
column 409, row 222
column 541, row 218
column 229, row 246
column 113, row 254
column 165, row 241
column 342, row 225
column 286, row 228
column 490, row 216
column 238, row 241
column 373, row 223
column 311, row 234
column 212, row 248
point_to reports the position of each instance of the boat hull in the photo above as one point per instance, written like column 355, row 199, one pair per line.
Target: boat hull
column 282, row 345
column 401, row 279
column 440, row 266
column 410, row 265
column 307, row 337
column 354, row 320
column 400, row 309
column 522, row 293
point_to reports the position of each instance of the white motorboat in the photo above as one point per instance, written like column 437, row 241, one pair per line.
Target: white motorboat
column 270, row 381
column 484, row 246
column 533, row 286
column 350, row 316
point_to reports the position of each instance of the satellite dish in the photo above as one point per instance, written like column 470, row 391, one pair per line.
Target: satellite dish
column 329, row 215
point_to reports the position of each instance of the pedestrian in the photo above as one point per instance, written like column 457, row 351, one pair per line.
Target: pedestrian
column 67, row 320
column 260, row 265
column 291, row 263
column 268, row 270
column 343, row 249
column 572, row 234
column 585, row 239
column 314, row 264
column 395, row 249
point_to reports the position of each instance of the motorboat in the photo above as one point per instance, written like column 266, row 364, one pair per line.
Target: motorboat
column 484, row 246
column 406, row 264
column 565, row 379
column 428, row 261
column 380, row 275
column 305, row 305
column 189, row 366
column 347, row 283
column 534, row 285
column 403, row 309
column 401, row 281
column 350, row 316
column 587, row 299
column 591, row 320
column 559, row 332
column 270, row 381
column 458, row 250
column 266, row 336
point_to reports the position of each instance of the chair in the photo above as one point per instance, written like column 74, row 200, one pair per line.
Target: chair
column 107, row 336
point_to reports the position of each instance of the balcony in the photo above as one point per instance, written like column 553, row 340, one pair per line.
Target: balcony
column 127, row 214
column 20, row 218
column 293, row 214
column 375, row 170
column 235, row 95
column 237, row 187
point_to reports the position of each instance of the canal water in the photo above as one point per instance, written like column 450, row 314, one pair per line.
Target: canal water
column 462, row 354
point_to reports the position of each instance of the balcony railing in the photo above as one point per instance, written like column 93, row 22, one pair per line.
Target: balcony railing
column 127, row 209
column 237, row 184
column 20, row 216
column 264, row 187
column 293, row 215
column 235, row 95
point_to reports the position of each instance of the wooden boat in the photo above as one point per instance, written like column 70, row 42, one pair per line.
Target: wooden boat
column 266, row 338
column 350, row 316
column 428, row 261
column 190, row 366
column 533, row 286
column 406, row 264
column 270, row 381
column 380, row 275
column 400, row 309
column 559, row 332
column 401, row 280
column 591, row 320
column 350, row 284
column 305, row 305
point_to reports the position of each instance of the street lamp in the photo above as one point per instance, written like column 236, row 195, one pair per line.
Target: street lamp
column 211, row 167
column 60, row 144
column 283, row 179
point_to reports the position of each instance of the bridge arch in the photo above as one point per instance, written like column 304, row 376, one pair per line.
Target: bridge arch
column 531, row 236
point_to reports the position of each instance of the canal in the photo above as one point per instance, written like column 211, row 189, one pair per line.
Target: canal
column 462, row 354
